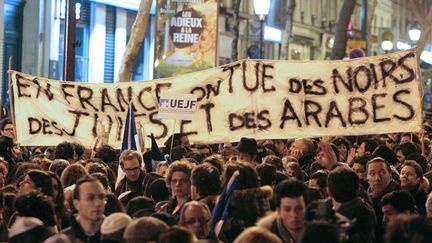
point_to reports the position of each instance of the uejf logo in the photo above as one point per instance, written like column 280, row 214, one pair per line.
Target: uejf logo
column 164, row 103
column 177, row 104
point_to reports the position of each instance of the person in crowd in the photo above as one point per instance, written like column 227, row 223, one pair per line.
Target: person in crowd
column 195, row 216
column 113, row 227
column 409, row 229
column 325, row 158
column 140, row 206
column 72, row 174
column 288, row 222
column 343, row 145
column 216, row 160
column 367, row 146
column 158, row 191
column 107, row 153
column 317, row 185
column 178, row 182
column 402, row 151
column 34, row 204
column 7, row 151
column 89, row 199
column 144, row 229
column 257, row 235
column 267, row 174
column 28, row 229
column 177, row 234
column 65, row 150
column 180, row 139
column 321, row 231
column 412, row 181
column 275, row 161
column 293, row 170
column 37, row 180
column 249, row 201
column 7, row 128
column 205, row 184
column 303, row 150
column 131, row 165
column 343, row 189
column 58, row 199
column 396, row 203
column 380, row 183
column 58, row 166
column 247, row 150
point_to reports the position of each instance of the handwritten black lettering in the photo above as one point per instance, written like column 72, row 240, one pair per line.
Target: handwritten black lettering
column 292, row 116
column 207, row 107
column 158, row 122
column 78, row 115
column 64, row 87
column 231, row 69
column 85, row 95
column 357, row 81
column 353, row 109
column 140, row 98
column 183, row 124
column 376, row 107
column 200, row 90
column 387, row 68
column 397, row 99
column 332, row 112
column 265, row 76
column 264, row 121
column 212, row 89
column 337, row 78
column 122, row 100
column 106, row 101
column 21, row 86
column 47, row 90
column 312, row 108
column 401, row 63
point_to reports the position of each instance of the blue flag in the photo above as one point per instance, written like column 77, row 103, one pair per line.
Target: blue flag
column 220, row 210
column 130, row 135
column 155, row 153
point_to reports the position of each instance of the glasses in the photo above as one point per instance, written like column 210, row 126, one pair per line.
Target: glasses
column 129, row 170
column 93, row 197
column 201, row 221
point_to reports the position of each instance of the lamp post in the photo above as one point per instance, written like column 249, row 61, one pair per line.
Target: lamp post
column 262, row 8
column 387, row 46
column 414, row 32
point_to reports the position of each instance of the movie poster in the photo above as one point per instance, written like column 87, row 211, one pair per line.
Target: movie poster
column 186, row 36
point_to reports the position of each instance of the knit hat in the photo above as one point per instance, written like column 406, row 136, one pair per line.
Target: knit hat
column 115, row 222
column 24, row 224
column 144, row 229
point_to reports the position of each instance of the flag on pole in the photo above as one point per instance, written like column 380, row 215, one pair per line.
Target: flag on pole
column 221, row 208
column 130, row 139
column 155, row 153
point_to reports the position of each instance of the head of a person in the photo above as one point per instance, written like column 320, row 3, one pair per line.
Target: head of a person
column 294, row 170
column 177, row 234
column 178, row 178
column 378, row 175
column 58, row 166
column 367, row 146
column 247, row 149
column 217, row 161
column 72, row 174
column 343, row 145
column 257, row 235
column 326, row 156
column 359, row 165
column 195, row 216
column 106, row 153
column 180, row 139
column 140, row 206
column 130, row 163
column 409, row 229
column 79, row 151
column 248, row 176
column 37, row 180
column 302, row 147
column 65, row 150
column 144, row 229
column 114, row 225
column 404, row 149
column 89, row 199
column 34, row 204
column 275, row 161
column 396, row 203
column 205, row 181
column 291, row 197
column 318, row 179
column 28, row 229
column 7, row 128
column 410, row 175
column 386, row 153
column 267, row 174
column 343, row 184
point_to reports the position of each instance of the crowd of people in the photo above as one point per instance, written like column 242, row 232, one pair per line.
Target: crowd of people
column 330, row 189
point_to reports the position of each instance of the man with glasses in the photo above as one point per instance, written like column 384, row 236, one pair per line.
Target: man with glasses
column 89, row 199
column 195, row 216
column 130, row 163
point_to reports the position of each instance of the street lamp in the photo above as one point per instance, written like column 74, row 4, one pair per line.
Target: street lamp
column 387, row 46
column 414, row 32
column 262, row 8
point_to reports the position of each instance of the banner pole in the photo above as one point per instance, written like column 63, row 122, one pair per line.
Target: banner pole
column 172, row 138
column 11, row 103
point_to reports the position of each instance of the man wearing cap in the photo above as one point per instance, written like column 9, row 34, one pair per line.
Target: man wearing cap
column 247, row 150
column 89, row 199
column 114, row 226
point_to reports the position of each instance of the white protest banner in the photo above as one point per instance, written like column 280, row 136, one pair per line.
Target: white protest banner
column 264, row 99
column 177, row 106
